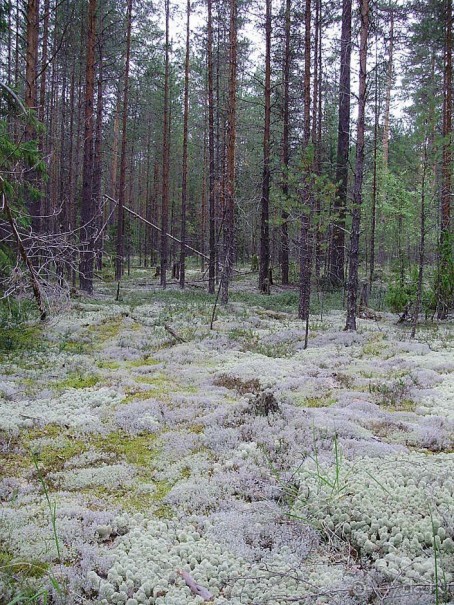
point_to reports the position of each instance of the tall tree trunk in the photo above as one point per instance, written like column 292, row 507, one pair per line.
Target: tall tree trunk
column 307, row 194
column 184, row 184
column 389, row 86
column 373, row 218
column 229, row 221
column 352, row 292
column 97, row 160
column 286, row 143
column 31, row 102
column 87, row 214
column 165, row 158
column 211, row 158
column 264, row 282
column 445, row 279
column 337, row 250
column 422, row 239
column 122, row 186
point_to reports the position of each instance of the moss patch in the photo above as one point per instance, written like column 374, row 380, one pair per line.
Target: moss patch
column 139, row 449
column 21, row 338
column 76, row 380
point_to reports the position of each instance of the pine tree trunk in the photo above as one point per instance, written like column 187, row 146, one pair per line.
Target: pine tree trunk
column 122, row 186
column 229, row 221
column 286, row 144
column 445, row 279
column 352, row 291
column 184, row 184
column 337, row 250
column 165, row 158
column 31, row 101
column 87, row 215
column 211, row 158
column 307, row 194
column 264, row 282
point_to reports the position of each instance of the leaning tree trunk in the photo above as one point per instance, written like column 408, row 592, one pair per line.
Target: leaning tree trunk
column 352, row 291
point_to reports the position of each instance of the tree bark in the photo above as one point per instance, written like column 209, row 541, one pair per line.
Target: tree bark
column 87, row 215
column 122, row 186
column 352, row 291
column 165, row 158
column 307, row 193
column 184, row 184
column 31, row 102
column 286, row 144
column 445, row 279
column 264, row 282
column 229, row 221
column 337, row 250
column 211, row 158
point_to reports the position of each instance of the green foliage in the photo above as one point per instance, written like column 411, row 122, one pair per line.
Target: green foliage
column 401, row 296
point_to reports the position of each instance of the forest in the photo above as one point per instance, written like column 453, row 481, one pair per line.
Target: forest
column 226, row 302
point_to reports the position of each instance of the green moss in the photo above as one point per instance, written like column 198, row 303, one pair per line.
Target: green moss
column 108, row 365
column 145, row 361
column 106, row 330
column 315, row 402
column 75, row 346
column 76, row 380
column 139, row 449
column 52, row 458
column 375, row 345
column 21, row 338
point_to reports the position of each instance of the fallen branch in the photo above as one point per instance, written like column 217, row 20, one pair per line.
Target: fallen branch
column 20, row 246
column 173, row 333
column 194, row 587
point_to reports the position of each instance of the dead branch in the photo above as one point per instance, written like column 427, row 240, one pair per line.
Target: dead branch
column 33, row 277
column 173, row 333
column 195, row 588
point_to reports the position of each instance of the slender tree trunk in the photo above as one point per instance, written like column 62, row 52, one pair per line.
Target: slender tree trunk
column 286, row 143
column 307, row 194
column 184, row 184
column 264, row 282
column 445, row 279
column 373, row 218
column 389, row 86
column 229, row 221
column 352, row 292
column 422, row 240
column 87, row 215
column 211, row 158
column 31, row 101
column 97, row 160
column 165, row 158
column 337, row 250
column 122, row 186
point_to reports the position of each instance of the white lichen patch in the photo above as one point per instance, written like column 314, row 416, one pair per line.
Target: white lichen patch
column 149, row 557
column 394, row 510
column 77, row 408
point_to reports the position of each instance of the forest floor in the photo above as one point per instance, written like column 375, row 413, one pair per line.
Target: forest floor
column 136, row 461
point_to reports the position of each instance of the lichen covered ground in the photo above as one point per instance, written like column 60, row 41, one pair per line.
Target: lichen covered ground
column 270, row 473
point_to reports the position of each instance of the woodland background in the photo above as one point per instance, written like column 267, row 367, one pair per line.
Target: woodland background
column 318, row 151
